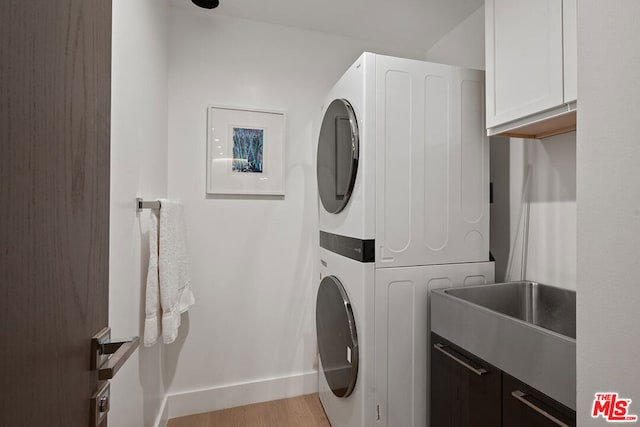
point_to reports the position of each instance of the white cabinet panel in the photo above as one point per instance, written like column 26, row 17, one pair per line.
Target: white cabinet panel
column 570, row 35
column 402, row 335
column 523, row 58
column 432, row 165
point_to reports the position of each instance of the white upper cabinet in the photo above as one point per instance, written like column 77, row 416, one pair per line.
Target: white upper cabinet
column 531, row 66
column 524, row 58
column 570, row 44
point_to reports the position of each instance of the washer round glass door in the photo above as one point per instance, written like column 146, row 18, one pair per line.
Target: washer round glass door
column 338, row 150
column 337, row 337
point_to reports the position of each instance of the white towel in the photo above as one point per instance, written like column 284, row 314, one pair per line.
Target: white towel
column 152, row 300
column 168, row 285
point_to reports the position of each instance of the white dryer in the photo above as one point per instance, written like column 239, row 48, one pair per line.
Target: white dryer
column 346, row 164
column 403, row 164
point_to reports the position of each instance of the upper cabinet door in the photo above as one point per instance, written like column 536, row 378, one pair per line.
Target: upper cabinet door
column 570, row 30
column 524, row 60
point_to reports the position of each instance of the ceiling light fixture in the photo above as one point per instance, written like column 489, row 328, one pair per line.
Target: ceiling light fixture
column 207, row 4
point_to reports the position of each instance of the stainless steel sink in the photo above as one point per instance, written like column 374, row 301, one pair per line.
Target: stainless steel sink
column 524, row 328
column 545, row 306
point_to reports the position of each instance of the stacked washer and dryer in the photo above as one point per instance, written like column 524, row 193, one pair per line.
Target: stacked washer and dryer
column 403, row 182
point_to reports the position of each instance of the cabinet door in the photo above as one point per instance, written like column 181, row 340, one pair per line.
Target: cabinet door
column 465, row 390
column 570, row 43
column 523, row 58
column 524, row 406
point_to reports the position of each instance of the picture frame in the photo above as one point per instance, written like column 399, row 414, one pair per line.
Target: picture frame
column 245, row 151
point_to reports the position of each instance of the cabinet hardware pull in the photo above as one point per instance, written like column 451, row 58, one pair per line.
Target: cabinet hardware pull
column 477, row 371
column 521, row 397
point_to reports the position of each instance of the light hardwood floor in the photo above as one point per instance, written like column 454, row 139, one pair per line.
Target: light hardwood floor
column 302, row 411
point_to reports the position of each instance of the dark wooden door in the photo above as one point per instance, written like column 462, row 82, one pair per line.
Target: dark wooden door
column 465, row 390
column 55, row 61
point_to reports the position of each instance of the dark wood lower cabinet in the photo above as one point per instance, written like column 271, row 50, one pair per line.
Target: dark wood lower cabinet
column 524, row 406
column 465, row 391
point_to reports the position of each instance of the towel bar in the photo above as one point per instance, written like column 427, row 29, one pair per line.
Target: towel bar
column 141, row 204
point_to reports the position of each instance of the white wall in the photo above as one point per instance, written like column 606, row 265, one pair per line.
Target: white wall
column 463, row 45
column 138, row 168
column 552, row 216
column 254, row 259
column 552, row 219
column 608, row 188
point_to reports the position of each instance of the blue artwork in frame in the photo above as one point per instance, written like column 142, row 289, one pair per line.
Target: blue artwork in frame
column 247, row 150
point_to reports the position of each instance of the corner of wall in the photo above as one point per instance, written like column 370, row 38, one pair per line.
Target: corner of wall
column 463, row 46
column 138, row 168
column 163, row 414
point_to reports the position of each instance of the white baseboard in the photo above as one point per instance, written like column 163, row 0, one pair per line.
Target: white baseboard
column 232, row 395
column 163, row 414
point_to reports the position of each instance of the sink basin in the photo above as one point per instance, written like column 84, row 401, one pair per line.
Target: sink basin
column 545, row 306
column 524, row 328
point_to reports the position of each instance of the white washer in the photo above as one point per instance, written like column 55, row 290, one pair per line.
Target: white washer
column 345, row 342
column 373, row 338
column 403, row 164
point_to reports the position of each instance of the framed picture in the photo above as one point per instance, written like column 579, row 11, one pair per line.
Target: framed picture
column 245, row 151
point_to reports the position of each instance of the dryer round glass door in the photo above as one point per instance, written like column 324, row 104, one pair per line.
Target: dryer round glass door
column 337, row 337
column 338, row 150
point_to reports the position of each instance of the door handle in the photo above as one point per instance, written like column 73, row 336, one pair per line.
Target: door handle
column 441, row 349
column 519, row 395
column 108, row 356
